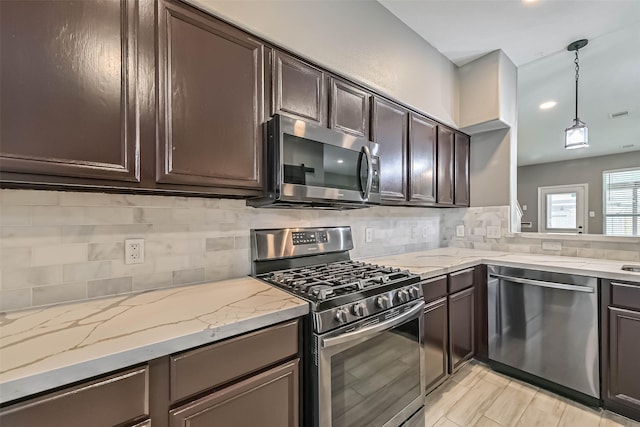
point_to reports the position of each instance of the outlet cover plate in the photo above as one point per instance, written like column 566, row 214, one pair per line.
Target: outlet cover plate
column 460, row 230
column 134, row 251
column 368, row 235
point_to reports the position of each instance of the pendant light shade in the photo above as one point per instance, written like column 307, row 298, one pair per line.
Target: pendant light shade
column 576, row 135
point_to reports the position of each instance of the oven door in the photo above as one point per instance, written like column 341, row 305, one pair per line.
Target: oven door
column 369, row 373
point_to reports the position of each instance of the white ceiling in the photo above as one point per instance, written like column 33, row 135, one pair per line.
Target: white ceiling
column 534, row 35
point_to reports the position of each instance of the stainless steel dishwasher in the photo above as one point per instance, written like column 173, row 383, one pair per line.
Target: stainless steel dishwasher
column 546, row 325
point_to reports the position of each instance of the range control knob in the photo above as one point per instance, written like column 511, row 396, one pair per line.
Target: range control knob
column 383, row 302
column 414, row 291
column 341, row 315
column 357, row 309
column 402, row 296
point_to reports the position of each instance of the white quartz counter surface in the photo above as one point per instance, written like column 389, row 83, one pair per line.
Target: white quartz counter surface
column 436, row 262
column 49, row 347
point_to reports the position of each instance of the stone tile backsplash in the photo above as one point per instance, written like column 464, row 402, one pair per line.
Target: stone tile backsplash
column 67, row 246
column 477, row 221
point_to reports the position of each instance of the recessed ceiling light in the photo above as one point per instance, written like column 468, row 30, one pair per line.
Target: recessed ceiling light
column 529, row 1
column 340, row 161
column 548, row 104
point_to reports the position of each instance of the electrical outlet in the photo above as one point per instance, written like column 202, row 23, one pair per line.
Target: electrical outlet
column 592, row 214
column 134, row 251
column 425, row 232
column 460, row 230
column 493, row 231
column 414, row 232
column 524, row 208
column 368, row 235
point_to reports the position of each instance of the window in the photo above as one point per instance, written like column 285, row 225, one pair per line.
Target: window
column 621, row 190
column 562, row 209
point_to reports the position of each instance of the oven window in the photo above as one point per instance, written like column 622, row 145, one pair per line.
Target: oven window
column 309, row 162
column 375, row 380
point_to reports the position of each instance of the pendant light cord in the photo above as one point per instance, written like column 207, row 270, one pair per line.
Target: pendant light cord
column 577, row 76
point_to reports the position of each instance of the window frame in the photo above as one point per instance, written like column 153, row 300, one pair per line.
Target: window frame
column 635, row 225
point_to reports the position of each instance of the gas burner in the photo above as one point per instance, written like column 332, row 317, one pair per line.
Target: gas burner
column 321, row 292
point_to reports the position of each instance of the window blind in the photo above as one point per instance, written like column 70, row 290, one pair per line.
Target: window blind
column 622, row 202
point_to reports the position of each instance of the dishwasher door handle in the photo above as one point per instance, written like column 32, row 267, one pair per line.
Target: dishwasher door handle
column 562, row 286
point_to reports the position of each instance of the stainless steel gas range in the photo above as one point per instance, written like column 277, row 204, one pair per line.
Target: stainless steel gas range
column 362, row 341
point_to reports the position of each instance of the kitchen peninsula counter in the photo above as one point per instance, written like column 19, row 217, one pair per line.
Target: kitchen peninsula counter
column 436, row 262
column 49, row 347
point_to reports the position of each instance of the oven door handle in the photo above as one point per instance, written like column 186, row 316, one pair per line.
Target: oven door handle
column 373, row 329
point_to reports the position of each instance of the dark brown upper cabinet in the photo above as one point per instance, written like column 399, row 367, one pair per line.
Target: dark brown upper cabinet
column 211, row 98
column 69, row 83
column 299, row 89
column 445, row 166
column 422, row 160
column 461, row 167
column 389, row 130
column 350, row 108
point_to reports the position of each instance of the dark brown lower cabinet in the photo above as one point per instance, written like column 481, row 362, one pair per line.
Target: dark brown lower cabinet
column 266, row 399
column 461, row 327
column 621, row 347
column 435, row 343
column 449, row 326
column 118, row 399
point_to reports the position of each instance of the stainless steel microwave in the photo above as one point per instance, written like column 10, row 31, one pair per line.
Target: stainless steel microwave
column 312, row 166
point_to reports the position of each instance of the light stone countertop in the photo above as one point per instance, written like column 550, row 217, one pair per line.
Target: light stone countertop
column 49, row 347
column 44, row 348
column 436, row 262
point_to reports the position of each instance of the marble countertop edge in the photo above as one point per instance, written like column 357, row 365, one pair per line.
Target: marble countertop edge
column 82, row 371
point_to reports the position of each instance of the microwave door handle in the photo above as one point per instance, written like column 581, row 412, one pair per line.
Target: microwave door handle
column 367, row 188
column 373, row 329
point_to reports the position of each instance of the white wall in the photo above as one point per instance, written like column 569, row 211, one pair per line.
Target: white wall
column 359, row 39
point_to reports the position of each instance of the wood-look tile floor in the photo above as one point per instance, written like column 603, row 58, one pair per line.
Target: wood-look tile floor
column 479, row 397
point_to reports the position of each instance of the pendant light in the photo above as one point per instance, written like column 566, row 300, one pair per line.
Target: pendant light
column 577, row 135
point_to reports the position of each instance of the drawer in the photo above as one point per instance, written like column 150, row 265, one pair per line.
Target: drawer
column 206, row 367
column 460, row 280
column 625, row 295
column 113, row 400
column 435, row 288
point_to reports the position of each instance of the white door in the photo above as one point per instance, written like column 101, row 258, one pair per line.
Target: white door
column 563, row 209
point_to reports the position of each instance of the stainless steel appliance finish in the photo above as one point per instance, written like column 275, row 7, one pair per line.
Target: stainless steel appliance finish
column 545, row 324
column 368, row 372
column 312, row 166
column 363, row 346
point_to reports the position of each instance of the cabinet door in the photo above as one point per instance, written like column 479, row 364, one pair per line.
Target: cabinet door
column 210, row 101
column 389, row 130
column 69, row 84
column 624, row 354
column 461, row 327
column 461, row 184
column 445, row 166
column 267, row 399
column 422, row 160
column 299, row 89
column 349, row 109
column 435, row 345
